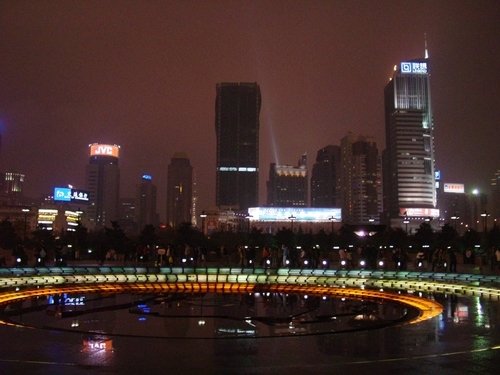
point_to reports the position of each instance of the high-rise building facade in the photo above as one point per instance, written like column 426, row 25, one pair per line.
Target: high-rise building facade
column 361, row 180
column 237, row 111
column 495, row 196
column 409, row 180
column 179, row 190
column 11, row 188
column 287, row 185
column 103, row 184
column 325, row 178
column 146, row 202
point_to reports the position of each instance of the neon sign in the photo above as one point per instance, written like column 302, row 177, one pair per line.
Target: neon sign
column 70, row 195
column 414, row 67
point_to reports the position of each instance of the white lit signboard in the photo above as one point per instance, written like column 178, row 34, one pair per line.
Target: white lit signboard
column 414, row 67
column 70, row 195
column 454, row 188
column 294, row 213
column 419, row 212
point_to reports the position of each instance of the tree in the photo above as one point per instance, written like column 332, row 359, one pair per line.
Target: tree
column 8, row 236
column 424, row 235
column 447, row 237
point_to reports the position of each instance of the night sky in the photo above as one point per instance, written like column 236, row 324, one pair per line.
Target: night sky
column 142, row 74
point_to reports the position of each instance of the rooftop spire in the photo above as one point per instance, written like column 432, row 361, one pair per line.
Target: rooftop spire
column 426, row 52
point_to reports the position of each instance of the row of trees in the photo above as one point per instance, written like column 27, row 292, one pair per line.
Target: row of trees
column 99, row 242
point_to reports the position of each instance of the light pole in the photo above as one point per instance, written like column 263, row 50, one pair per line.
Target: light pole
column 248, row 217
column 485, row 215
column 332, row 220
column 203, row 215
column 455, row 218
column 292, row 218
column 25, row 211
column 406, row 222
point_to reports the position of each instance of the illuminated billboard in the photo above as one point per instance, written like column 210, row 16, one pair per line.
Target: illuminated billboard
column 98, row 149
column 70, row 195
column 453, row 188
column 296, row 214
column 419, row 212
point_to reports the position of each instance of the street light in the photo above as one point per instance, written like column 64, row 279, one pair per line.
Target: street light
column 25, row 211
column 203, row 215
column 248, row 217
column 292, row 218
column 455, row 218
column 332, row 219
column 406, row 222
column 485, row 215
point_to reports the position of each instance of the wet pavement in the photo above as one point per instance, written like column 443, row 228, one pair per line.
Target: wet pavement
column 464, row 339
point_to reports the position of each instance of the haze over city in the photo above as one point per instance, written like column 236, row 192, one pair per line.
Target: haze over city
column 143, row 75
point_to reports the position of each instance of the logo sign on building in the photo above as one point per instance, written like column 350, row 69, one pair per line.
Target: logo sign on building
column 147, row 177
column 70, row 195
column 419, row 212
column 62, row 194
column 454, row 188
column 414, row 67
column 97, row 149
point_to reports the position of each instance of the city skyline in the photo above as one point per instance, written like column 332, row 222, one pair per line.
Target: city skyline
column 143, row 76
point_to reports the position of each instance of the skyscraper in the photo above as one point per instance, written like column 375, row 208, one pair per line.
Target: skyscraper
column 103, row 184
column 287, row 185
column 409, row 180
column 325, row 178
column 237, row 110
column 11, row 188
column 146, row 202
column 179, row 190
column 361, row 180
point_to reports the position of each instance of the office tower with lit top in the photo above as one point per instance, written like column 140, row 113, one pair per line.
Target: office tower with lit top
column 408, row 160
column 179, row 190
column 237, row 111
column 288, row 185
column 325, row 178
column 11, row 188
column 103, row 184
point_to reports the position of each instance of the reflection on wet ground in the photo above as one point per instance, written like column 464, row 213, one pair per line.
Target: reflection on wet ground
column 464, row 339
column 206, row 315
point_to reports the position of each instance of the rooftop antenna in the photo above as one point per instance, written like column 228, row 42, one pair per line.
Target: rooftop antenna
column 426, row 53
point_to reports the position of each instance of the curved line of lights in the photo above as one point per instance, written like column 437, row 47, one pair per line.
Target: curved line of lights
column 352, row 285
column 427, row 308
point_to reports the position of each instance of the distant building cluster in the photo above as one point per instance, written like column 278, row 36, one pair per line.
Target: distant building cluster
column 350, row 182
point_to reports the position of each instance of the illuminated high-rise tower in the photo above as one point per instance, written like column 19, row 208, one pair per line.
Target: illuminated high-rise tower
column 287, row 185
column 103, row 184
column 409, row 180
column 237, row 110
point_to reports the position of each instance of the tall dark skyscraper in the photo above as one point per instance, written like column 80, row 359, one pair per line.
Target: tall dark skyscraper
column 146, row 202
column 179, row 190
column 325, row 178
column 409, row 180
column 237, row 110
column 361, row 180
column 103, row 184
